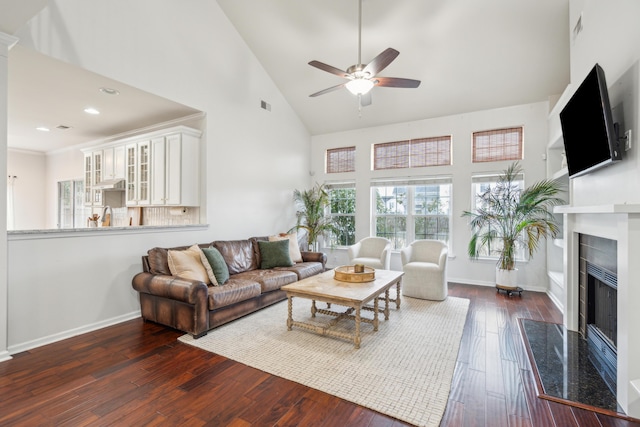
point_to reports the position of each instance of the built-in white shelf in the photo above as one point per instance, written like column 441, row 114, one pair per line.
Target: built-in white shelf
column 561, row 173
column 559, row 242
column 623, row 208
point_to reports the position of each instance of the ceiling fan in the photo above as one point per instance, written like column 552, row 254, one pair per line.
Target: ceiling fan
column 363, row 77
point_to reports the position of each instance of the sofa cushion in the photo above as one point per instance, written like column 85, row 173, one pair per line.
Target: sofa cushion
column 186, row 264
column 217, row 263
column 237, row 254
column 304, row 269
column 294, row 249
column 274, row 254
column 269, row 279
column 235, row 290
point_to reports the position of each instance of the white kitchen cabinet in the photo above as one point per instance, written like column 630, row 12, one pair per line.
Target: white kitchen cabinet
column 97, row 177
column 174, row 169
column 88, row 179
column 113, row 162
column 137, row 173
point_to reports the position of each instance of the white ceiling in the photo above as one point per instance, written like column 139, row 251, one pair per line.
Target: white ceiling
column 47, row 92
column 469, row 55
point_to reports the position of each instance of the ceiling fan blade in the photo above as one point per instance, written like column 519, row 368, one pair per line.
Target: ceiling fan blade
column 365, row 99
column 381, row 61
column 327, row 90
column 396, row 82
column 330, row 69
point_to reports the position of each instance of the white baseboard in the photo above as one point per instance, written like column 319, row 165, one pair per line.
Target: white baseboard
column 18, row 348
column 4, row 356
column 556, row 301
column 493, row 284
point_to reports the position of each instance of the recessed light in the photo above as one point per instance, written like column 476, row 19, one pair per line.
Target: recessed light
column 91, row 110
column 109, row 91
column 43, row 129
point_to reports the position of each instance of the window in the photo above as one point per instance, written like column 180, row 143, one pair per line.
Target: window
column 414, row 153
column 497, row 144
column 341, row 160
column 480, row 184
column 343, row 213
column 71, row 210
column 411, row 210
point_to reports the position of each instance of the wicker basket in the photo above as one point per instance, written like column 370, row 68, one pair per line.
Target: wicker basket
column 346, row 273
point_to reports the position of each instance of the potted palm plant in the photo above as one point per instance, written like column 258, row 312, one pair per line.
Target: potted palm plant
column 311, row 213
column 507, row 216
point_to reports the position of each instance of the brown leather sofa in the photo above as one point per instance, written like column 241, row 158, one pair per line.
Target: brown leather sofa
column 195, row 308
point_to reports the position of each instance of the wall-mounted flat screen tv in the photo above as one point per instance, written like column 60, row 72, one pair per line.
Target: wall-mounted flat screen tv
column 588, row 130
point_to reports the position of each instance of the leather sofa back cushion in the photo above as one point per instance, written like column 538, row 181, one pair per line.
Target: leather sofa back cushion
column 159, row 261
column 238, row 254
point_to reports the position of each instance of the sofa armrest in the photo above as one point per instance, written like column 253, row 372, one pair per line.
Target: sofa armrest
column 314, row 257
column 171, row 287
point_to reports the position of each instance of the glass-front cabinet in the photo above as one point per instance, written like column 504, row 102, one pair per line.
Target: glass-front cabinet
column 97, row 177
column 137, row 173
column 88, row 179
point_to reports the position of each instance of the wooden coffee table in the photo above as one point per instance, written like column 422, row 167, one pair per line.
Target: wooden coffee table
column 355, row 296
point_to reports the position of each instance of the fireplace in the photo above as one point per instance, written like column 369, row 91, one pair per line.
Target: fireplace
column 617, row 227
column 598, row 307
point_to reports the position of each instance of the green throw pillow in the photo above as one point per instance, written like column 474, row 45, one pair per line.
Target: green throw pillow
column 275, row 254
column 218, row 265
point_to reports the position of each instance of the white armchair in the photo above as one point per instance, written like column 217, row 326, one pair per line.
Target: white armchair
column 424, row 263
column 374, row 252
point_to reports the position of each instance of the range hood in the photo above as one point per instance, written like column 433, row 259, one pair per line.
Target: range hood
column 117, row 184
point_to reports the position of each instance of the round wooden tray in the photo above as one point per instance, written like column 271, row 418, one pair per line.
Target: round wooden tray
column 346, row 273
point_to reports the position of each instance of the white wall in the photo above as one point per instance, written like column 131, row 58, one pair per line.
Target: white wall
column 253, row 159
column 610, row 37
column 29, row 188
column 533, row 117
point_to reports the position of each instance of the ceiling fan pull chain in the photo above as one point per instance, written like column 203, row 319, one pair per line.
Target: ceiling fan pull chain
column 359, row 63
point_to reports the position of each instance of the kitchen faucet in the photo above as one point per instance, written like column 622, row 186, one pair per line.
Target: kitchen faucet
column 108, row 221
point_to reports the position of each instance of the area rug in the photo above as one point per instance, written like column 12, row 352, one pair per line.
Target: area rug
column 404, row 370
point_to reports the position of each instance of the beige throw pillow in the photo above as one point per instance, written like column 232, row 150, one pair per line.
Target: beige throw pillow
column 294, row 249
column 186, row 264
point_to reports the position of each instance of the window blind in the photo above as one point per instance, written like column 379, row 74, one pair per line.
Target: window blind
column 413, row 153
column 497, row 144
column 341, row 159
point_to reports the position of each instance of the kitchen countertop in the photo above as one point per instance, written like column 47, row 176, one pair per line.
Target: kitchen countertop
column 89, row 231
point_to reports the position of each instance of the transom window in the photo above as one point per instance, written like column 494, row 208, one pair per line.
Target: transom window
column 498, row 144
column 412, row 153
column 411, row 210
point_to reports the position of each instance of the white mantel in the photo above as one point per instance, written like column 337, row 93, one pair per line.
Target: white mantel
column 619, row 222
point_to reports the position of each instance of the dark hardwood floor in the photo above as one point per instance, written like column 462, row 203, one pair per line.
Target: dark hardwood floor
column 138, row 374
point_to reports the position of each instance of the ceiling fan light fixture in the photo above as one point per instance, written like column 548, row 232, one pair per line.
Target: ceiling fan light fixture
column 359, row 86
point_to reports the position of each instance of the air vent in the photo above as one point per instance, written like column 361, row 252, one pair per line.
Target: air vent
column 265, row 105
column 63, row 127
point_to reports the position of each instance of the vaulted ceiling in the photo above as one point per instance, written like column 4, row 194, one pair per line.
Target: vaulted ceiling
column 468, row 55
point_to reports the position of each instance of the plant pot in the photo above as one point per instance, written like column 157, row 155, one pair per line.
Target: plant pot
column 507, row 279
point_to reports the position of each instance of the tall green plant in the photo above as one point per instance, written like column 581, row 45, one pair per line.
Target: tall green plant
column 513, row 216
column 311, row 212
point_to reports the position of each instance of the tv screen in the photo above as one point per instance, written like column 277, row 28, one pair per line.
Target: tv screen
column 590, row 140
